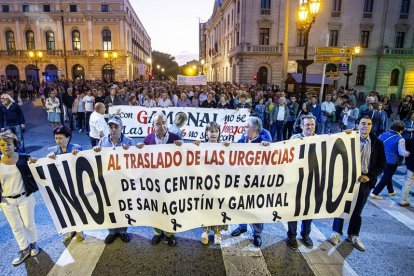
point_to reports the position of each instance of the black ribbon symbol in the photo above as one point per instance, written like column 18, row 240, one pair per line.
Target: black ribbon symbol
column 275, row 216
column 225, row 217
column 130, row 220
column 175, row 224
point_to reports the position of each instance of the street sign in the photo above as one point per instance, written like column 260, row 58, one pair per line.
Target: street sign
column 334, row 50
column 343, row 67
column 333, row 59
column 141, row 69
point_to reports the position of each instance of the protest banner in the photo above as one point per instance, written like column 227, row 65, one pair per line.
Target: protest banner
column 192, row 80
column 138, row 120
column 177, row 188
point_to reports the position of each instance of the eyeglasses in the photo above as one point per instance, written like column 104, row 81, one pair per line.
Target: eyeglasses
column 160, row 123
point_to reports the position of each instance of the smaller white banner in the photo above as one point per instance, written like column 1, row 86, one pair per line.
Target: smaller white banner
column 196, row 80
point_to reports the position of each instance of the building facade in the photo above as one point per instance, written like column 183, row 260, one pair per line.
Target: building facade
column 245, row 40
column 79, row 40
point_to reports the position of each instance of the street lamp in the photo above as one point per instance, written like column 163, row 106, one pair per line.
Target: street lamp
column 202, row 62
column 162, row 73
column 356, row 51
column 36, row 56
column 111, row 56
column 308, row 10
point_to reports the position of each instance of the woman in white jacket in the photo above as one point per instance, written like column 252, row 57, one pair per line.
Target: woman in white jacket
column 53, row 110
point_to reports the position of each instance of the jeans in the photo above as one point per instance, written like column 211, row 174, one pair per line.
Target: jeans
column 277, row 131
column 288, row 130
column 257, row 228
column 17, row 130
column 305, row 229
column 326, row 125
column 386, row 179
column 409, row 180
column 19, row 213
column 70, row 117
column 94, row 141
column 356, row 219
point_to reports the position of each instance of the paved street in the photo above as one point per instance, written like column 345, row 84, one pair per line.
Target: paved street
column 387, row 232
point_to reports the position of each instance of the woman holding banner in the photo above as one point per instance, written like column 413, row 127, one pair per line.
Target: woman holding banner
column 17, row 201
column 212, row 135
column 63, row 134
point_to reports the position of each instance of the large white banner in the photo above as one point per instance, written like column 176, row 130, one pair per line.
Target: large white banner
column 177, row 188
column 138, row 120
column 194, row 80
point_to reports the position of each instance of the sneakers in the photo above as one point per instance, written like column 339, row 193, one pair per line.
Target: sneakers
column 217, row 238
column 171, row 241
column 79, row 237
column 356, row 241
column 392, row 194
column 80, row 130
column 69, row 236
column 34, row 249
column 257, row 241
column 374, row 196
column 307, row 241
column 23, row 255
column 156, row 239
column 335, row 238
column 110, row 238
column 404, row 203
column 238, row 231
column 204, row 238
column 292, row 242
column 125, row 237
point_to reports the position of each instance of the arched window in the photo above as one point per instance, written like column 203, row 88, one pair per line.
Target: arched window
column 50, row 40
column 106, row 39
column 30, row 40
column 360, row 78
column 76, row 42
column 394, row 77
column 11, row 46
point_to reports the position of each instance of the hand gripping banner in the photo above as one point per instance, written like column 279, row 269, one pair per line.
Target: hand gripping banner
column 177, row 188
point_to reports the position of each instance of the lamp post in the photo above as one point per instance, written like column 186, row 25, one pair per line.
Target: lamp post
column 162, row 73
column 202, row 62
column 111, row 56
column 158, row 71
column 308, row 10
column 149, row 61
column 356, row 51
column 36, row 56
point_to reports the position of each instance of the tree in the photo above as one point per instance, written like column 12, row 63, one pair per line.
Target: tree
column 166, row 62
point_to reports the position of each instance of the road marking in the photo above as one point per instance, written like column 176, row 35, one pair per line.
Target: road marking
column 80, row 258
column 323, row 258
column 402, row 214
column 241, row 257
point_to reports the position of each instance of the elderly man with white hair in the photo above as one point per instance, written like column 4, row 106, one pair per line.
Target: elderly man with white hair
column 12, row 118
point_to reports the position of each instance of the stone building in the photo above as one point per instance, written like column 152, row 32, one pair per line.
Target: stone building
column 73, row 37
column 244, row 41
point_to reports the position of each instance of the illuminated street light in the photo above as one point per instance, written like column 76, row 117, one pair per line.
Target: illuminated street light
column 36, row 56
column 111, row 56
column 202, row 62
column 355, row 52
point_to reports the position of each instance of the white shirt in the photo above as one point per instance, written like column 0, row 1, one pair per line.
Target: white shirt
column 281, row 113
column 328, row 107
column 11, row 180
column 89, row 101
column 166, row 103
column 97, row 124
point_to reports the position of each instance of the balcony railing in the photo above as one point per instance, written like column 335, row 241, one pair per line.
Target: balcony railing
column 76, row 53
column 367, row 15
column 265, row 11
column 398, row 51
column 263, row 48
column 403, row 15
column 335, row 14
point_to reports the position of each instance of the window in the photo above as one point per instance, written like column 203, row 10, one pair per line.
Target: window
column 368, row 6
column 76, row 46
column 238, row 7
column 360, row 79
column 301, row 38
column 46, row 8
column 11, row 46
column 336, row 8
column 264, row 36
column 394, row 77
column 405, row 7
column 5, row 8
column 104, row 8
column 30, row 41
column 106, row 39
column 237, row 38
column 73, row 8
column 399, row 41
column 26, row 8
column 333, row 38
column 50, row 41
column 364, row 39
column 265, row 7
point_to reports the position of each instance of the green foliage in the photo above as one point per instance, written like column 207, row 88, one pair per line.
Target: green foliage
column 165, row 61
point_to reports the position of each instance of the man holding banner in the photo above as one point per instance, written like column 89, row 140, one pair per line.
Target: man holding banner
column 115, row 139
column 161, row 136
column 372, row 165
column 252, row 134
column 308, row 126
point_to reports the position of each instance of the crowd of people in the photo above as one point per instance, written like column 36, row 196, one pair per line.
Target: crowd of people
column 275, row 116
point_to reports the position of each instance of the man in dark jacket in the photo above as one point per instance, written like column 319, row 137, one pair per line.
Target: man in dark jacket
column 372, row 165
column 11, row 117
column 113, row 98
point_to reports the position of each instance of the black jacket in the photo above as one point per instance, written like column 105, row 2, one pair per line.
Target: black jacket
column 377, row 160
column 12, row 116
column 28, row 181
